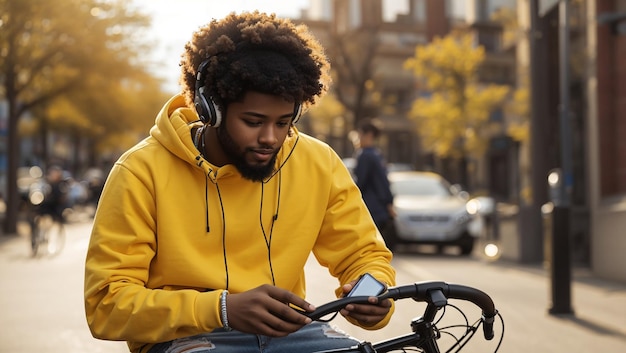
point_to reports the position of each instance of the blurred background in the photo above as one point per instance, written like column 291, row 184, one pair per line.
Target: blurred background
column 493, row 95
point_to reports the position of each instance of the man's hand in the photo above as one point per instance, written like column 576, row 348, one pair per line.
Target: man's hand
column 366, row 314
column 265, row 311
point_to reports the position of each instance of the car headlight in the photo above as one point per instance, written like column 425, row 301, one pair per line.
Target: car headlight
column 472, row 206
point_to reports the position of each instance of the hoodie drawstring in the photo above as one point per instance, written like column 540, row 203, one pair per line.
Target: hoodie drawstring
column 206, row 204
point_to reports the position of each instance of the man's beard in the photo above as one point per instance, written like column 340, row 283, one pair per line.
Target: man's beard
column 231, row 149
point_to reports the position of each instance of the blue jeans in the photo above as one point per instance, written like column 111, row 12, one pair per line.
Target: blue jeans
column 311, row 338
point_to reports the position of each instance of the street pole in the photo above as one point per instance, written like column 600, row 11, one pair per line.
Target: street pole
column 561, row 263
column 531, row 231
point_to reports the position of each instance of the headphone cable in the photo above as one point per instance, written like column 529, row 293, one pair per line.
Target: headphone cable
column 268, row 241
column 219, row 196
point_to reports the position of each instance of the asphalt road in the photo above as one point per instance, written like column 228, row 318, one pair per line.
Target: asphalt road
column 41, row 302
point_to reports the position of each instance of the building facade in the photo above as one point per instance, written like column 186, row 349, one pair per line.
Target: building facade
column 606, row 129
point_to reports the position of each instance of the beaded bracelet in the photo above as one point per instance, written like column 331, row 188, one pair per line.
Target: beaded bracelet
column 223, row 312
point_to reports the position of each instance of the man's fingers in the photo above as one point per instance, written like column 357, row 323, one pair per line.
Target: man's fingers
column 368, row 314
column 288, row 297
column 287, row 313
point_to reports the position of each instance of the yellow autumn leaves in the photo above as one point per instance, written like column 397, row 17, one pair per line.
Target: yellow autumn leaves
column 453, row 112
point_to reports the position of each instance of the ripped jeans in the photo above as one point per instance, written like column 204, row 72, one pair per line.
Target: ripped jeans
column 311, row 338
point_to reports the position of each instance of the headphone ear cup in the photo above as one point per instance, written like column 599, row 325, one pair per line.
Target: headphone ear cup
column 297, row 112
column 217, row 114
column 208, row 112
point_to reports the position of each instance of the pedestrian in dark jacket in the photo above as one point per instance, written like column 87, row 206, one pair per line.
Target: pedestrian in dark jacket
column 371, row 176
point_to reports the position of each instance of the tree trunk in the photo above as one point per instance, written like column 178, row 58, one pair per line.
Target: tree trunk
column 10, row 220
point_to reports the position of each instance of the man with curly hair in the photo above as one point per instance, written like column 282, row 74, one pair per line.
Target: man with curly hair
column 204, row 228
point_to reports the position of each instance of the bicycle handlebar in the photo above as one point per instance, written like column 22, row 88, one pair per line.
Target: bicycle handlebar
column 427, row 291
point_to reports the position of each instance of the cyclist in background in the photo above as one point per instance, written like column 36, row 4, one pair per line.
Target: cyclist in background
column 204, row 228
column 55, row 199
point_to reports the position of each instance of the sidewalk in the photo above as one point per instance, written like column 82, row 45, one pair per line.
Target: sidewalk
column 598, row 322
column 598, row 305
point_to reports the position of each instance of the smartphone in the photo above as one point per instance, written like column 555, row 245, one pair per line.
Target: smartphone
column 367, row 285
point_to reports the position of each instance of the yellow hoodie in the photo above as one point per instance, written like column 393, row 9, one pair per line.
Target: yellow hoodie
column 172, row 231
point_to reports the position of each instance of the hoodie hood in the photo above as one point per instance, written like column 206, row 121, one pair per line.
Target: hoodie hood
column 173, row 126
column 172, row 129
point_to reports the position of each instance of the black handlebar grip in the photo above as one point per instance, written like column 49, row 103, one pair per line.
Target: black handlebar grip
column 488, row 326
column 482, row 300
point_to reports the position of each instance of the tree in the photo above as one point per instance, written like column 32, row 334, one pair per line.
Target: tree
column 453, row 112
column 324, row 113
column 353, row 53
column 66, row 53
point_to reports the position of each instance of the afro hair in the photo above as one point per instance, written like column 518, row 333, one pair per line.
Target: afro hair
column 254, row 51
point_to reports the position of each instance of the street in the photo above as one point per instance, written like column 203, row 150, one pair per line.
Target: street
column 42, row 298
column 42, row 302
column 521, row 295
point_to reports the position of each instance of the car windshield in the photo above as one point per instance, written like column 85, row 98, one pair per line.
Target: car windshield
column 420, row 187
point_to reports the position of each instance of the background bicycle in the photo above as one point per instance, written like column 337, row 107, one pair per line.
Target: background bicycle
column 47, row 201
column 47, row 235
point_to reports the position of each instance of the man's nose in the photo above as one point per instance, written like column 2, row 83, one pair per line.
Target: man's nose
column 267, row 135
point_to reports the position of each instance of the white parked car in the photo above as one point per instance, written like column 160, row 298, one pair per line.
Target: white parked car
column 430, row 211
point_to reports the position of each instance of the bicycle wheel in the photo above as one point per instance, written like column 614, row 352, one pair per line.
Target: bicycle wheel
column 35, row 238
column 52, row 235
column 55, row 238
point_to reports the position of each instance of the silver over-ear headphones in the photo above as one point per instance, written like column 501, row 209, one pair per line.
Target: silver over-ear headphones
column 208, row 112
column 297, row 112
